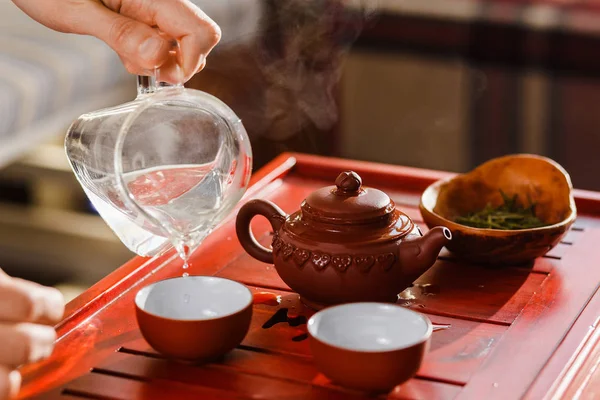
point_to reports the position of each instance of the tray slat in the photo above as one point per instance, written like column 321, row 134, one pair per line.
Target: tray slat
column 218, row 378
column 103, row 386
column 542, row 325
column 299, row 376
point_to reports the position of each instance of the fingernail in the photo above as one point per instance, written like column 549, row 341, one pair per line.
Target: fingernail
column 150, row 47
column 14, row 379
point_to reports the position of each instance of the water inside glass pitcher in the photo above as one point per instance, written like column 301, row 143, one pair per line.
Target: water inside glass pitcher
column 163, row 169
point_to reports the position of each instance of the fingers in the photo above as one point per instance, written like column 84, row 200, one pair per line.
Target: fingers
column 133, row 68
column 138, row 43
column 26, row 311
column 24, row 301
column 142, row 48
column 195, row 31
column 25, row 343
column 53, row 302
column 10, row 383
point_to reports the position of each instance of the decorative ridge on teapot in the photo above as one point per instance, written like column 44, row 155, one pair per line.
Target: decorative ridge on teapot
column 347, row 243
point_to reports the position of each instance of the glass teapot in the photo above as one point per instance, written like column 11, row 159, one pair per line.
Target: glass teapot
column 163, row 169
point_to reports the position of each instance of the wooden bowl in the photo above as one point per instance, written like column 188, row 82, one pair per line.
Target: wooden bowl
column 194, row 318
column 370, row 347
column 531, row 177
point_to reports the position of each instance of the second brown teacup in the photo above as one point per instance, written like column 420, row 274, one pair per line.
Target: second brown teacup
column 371, row 347
column 194, row 318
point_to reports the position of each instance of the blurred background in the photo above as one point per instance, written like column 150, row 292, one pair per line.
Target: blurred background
column 440, row 84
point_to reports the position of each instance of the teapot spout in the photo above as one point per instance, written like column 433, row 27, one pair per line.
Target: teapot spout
column 418, row 255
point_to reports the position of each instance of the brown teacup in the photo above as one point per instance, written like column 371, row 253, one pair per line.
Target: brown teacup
column 371, row 347
column 194, row 318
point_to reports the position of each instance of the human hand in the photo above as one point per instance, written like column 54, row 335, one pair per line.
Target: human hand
column 27, row 313
column 132, row 29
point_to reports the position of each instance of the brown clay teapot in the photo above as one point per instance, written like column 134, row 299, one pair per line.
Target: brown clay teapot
column 347, row 243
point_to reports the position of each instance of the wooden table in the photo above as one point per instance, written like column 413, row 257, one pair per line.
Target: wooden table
column 514, row 333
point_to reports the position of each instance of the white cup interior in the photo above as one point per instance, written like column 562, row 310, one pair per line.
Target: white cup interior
column 371, row 327
column 194, row 298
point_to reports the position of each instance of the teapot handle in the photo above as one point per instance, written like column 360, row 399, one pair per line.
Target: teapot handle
column 242, row 226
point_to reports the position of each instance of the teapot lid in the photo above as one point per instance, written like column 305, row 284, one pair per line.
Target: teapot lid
column 348, row 203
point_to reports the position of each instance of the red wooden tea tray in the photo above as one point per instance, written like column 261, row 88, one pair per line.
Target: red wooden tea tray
column 514, row 332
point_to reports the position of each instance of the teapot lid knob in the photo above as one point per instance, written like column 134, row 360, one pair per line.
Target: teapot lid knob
column 348, row 203
column 348, row 182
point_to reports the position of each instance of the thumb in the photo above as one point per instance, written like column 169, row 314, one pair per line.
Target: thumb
column 134, row 41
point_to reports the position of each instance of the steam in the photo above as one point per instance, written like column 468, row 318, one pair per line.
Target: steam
column 304, row 43
column 284, row 61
